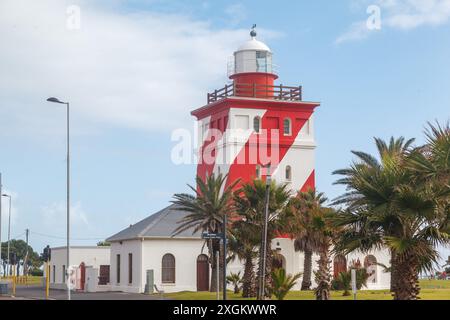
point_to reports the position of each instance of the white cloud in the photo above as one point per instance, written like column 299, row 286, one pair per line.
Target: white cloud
column 137, row 70
column 357, row 31
column 236, row 13
column 55, row 214
column 400, row 14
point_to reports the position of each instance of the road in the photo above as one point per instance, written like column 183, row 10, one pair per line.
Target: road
column 38, row 293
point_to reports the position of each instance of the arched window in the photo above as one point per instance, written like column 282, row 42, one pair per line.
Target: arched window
column 339, row 265
column 370, row 264
column 258, row 171
column 287, row 130
column 288, row 173
column 168, row 269
column 257, row 124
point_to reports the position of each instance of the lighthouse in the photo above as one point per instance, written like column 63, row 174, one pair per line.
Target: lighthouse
column 256, row 126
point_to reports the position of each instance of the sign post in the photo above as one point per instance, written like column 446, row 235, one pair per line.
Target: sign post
column 209, row 236
column 354, row 289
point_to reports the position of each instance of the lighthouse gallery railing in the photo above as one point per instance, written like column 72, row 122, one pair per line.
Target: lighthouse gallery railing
column 256, row 90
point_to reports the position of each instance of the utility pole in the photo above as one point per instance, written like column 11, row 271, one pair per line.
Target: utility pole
column 68, row 269
column 1, row 220
column 9, row 232
column 225, row 222
column 25, row 260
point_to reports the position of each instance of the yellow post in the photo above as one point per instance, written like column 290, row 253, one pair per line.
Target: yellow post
column 47, row 281
column 14, row 280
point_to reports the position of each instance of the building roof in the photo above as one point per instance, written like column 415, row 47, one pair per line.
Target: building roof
column 162, row 224
column 81, row 247
column 254, row 45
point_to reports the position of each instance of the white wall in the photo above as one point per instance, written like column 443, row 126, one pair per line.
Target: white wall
column 185, row 252
column 124, row 248
column 383, row 279
column 147, row 255
column 91, row 256
column 295, row 261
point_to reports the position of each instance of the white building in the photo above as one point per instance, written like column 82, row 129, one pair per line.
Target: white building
column 179, row 264
column 86, row 262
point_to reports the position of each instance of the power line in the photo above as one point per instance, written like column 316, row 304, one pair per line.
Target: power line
column 59, row 237
column 18, row 236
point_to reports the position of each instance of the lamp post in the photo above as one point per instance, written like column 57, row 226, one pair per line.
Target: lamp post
column 1, row 220
column 9, row 231
column 225, row 222
column 264, row 237
column 55, row 100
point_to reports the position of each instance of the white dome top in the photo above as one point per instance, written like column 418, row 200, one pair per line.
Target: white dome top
column 255, row 45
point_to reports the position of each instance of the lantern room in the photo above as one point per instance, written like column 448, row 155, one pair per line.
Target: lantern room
column 253, row 56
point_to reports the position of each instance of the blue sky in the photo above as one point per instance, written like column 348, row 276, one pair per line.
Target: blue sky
column 119, row 70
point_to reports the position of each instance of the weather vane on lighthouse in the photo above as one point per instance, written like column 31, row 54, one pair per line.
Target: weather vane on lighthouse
column 253, row 32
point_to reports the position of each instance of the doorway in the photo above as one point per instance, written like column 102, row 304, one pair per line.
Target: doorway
column 202, row 273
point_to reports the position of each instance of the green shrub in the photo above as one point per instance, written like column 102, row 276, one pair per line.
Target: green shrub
column 344, row 280
column 36, row 272
column 283, row 283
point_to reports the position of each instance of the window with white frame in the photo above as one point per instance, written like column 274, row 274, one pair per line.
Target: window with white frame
column 168, row 268
column 288, row 173
column 287, row 127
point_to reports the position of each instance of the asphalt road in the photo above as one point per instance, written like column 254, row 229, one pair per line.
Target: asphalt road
column 38, row 293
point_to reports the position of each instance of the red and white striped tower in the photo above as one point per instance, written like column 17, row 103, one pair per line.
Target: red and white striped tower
column 253, row 121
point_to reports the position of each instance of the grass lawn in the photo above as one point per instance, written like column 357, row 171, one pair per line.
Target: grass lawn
column 431, row 290
column 31, row 280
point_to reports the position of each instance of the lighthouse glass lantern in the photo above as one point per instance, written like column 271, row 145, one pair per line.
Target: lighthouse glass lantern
column 253, row 56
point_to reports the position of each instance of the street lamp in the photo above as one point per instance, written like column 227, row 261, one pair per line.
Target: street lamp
column 9, row 230
column 264, row 237
column 55, row 100
column 1, row 220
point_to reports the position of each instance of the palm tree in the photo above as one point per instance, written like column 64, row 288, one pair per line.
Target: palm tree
column 325, row 232
column 283, row 283
column 306, row 239
column 388, row 206
column 236, row 280
column 242, row 243
column 250, row 206
column 206, row 211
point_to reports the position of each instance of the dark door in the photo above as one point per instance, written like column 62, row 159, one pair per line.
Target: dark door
column 202, row 273
column 82, row 276
column 103, row 279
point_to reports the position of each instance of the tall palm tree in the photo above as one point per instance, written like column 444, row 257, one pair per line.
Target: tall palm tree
column 306, row 238
column 387, row 207
column 207, row 209
column 325, row 233
column 250, row 206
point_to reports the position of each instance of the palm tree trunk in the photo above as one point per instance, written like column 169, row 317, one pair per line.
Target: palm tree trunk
column 307, row 270
column 248, row 281
column 269, row 263
column 214, row 266
column 407, row 282
column 323, row 275
column 393, row 272
column 268, row 273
